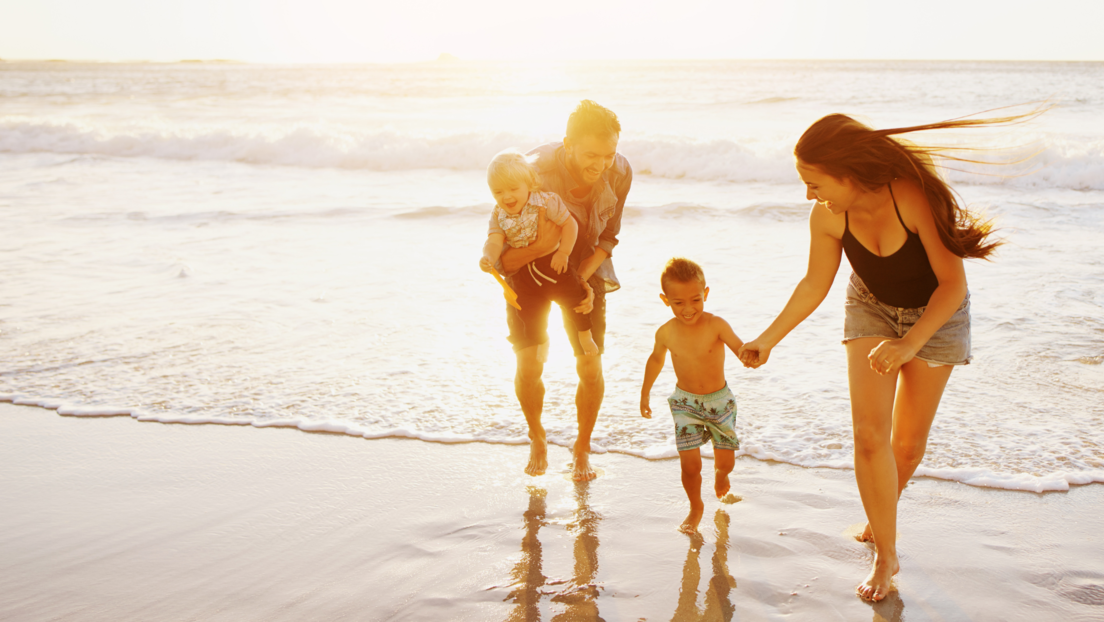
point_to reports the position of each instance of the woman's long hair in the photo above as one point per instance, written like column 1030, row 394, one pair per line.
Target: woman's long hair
column 845, row 148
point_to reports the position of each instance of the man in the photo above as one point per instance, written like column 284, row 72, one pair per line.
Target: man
column 593, row 180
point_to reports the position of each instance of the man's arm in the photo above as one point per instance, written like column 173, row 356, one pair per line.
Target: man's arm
column 651, row 372
column 608, row 238
column 548, row 234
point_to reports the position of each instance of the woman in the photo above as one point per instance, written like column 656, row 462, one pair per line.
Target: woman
column 879, row 200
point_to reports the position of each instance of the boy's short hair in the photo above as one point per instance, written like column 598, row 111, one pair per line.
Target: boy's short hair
column 682, row 270
column 512, row 165
column 591, row 119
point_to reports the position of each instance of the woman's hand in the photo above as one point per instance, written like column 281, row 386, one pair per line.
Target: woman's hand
column 888, row 357
column 754, row 353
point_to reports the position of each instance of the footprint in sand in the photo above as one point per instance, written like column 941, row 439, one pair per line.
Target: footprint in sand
column 731, row 498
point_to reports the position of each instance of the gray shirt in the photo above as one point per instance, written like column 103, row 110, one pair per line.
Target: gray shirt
column 598, row 213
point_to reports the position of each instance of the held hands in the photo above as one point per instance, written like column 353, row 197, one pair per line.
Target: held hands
column 754, row 354
column 645, row 406
column 890, row 355
column 559, row 262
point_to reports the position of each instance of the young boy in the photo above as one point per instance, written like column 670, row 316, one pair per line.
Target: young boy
column 701, row 405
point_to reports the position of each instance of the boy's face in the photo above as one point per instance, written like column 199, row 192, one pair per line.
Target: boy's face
column 686, row 299
column 510, row 195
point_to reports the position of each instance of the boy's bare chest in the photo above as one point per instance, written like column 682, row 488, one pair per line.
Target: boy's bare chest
column 697, row 347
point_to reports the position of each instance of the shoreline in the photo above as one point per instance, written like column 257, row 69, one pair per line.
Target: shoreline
column 108, row 520
column 970, row 476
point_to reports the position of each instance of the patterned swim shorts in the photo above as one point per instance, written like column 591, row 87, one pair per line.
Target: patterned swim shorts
column 701, row 417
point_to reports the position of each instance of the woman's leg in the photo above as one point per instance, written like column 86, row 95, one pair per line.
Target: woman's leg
column 875, row 467
column 919, row 389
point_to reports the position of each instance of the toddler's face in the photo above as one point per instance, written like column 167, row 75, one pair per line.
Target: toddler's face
column 510, row 195
column 686, row 299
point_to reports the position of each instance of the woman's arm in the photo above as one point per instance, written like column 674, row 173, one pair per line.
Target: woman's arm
column 825, row 251
column 890, row 355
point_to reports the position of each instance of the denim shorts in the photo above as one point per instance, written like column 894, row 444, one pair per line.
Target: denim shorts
column 866, row 316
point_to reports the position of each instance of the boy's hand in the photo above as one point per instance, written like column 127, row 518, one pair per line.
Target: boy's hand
column 485, row 264
column 645, row 407
column 559, row 262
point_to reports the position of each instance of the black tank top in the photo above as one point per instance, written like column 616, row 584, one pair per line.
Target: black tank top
column 903, row 279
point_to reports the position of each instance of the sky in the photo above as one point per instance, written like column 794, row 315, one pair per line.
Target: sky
column 310, row 31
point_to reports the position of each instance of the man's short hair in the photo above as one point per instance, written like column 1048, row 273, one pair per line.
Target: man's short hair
column 512, row 165
column 682, row 270
column 591, row 119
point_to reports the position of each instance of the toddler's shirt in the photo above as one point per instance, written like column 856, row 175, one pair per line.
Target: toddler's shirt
column 521, row 229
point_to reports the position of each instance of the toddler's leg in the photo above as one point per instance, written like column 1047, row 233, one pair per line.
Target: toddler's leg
column 723, row 461
column 691, row 482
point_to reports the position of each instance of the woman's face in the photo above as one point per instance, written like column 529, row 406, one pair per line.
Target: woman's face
column 834, row 193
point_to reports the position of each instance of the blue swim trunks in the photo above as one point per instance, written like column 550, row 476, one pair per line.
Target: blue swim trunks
column 701, row 417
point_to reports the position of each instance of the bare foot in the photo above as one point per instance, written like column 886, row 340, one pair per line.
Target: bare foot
column 731, row 498
column 538, row 457
column 581, row 471
column 720, row 484
column 867, row 535
column 877, row 584
column 690, row 525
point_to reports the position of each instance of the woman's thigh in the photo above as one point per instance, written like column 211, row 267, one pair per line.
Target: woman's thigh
column 871, row 393
column 918, row 393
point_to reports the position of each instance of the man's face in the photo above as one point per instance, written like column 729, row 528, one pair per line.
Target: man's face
column 589, row 156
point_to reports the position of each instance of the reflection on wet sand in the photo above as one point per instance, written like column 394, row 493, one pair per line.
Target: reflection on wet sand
column 889, row 609
column 718, row 606
column 580, row 593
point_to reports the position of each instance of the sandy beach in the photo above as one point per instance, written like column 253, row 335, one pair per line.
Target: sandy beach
column 114, row 519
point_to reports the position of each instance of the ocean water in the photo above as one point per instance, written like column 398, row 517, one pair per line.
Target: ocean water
column 298, row 245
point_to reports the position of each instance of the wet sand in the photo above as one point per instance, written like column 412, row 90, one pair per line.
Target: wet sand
column 113, row 519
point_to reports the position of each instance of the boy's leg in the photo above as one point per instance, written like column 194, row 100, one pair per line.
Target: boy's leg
column 723, row 461
column 691, row 463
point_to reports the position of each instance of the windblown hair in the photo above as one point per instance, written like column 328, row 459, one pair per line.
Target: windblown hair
column 512, row 165
column 681, row 270
column 591, row 119
column 845, row 148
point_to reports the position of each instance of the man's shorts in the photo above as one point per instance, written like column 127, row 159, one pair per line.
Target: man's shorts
column 701, row 417
column 532, row 329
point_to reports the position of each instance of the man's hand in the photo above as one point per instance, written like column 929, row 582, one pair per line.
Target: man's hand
column 587, row 305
